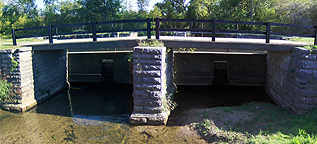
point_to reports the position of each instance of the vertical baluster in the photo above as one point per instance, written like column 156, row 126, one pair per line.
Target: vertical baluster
column 213, row 30
column 148, row 23
column 50, row 35
column 157, row 28
column 14, row 38
column 268, row 32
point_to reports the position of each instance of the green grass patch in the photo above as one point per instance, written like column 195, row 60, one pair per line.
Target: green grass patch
column 20, row 40
column 301, row 39
column 8, row 44
column 258, row 123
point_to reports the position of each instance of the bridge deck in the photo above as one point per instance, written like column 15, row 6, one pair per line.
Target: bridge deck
column 174, row 42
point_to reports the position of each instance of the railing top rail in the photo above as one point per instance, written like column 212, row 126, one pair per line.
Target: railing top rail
column 241, row 22
column 291, row 25
column 72, row 25
column 123, row 21
column 184, row 20
column 32, row 28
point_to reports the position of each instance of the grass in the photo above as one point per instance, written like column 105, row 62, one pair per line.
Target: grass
column 301, row 39
column 257, row 123
column 8, row 44
column 310, row 41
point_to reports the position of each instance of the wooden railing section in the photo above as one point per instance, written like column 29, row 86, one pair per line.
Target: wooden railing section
column 154, row 25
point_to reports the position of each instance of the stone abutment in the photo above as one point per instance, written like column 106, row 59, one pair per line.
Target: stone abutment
column 292, row 79
column 38, row 75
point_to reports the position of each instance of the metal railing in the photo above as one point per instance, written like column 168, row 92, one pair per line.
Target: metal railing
column 154, row 25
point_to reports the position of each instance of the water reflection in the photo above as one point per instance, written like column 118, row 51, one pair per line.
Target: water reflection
column 94, row 113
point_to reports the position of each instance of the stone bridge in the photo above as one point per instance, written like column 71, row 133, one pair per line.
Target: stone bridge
column 288, row 72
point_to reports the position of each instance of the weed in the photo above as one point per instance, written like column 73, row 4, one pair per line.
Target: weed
column 8, row 91
column 170, row 103
column 205, row 127
column 128, row 57
column 151, row 43
column 14, row 65
column 312, row 48
column 188, row 49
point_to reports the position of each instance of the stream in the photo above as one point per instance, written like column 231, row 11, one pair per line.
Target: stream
column 87, row 113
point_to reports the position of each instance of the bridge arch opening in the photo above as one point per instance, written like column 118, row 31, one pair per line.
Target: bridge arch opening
column 100, row 81
column 212, row 79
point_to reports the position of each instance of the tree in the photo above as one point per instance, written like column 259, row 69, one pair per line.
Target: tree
column 172, row 9
column 18, row 14
column 68, row 12
column 142, row 5
column 98, row 10
column 155, row 13
column 197, row 9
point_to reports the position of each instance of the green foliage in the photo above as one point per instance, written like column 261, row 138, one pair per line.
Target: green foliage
column 205, row 127
column 14, row 65
column 171, row 104
column 7, row 92
column 128, row 57
column 151, row 43
column 23, row 13
column 312, row 48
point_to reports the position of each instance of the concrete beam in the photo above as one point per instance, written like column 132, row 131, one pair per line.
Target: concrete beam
column 85, row 45
column 227, row 45
column 174, row 42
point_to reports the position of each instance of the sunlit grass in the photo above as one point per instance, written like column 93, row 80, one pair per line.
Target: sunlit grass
column 301, row 39
column 8, row 44
column 267, row 124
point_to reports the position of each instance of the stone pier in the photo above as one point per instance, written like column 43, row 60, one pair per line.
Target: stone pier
column 152, row 85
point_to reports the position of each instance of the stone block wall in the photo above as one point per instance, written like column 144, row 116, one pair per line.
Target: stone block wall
column 292, row 79
column 39, row 74
column 20, row 75
column 151, row 79
column 50, row 72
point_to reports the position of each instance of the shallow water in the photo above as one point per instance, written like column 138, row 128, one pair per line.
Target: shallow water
column 93, row 113
column 98, row 113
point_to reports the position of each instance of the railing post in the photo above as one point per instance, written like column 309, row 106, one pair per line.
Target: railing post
column 157, row 28
column 94, row 33
column 213, row 29
column 50, row 35
column 148, row 23
column 315, row 41
column 14, row 38
column 268, row 32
